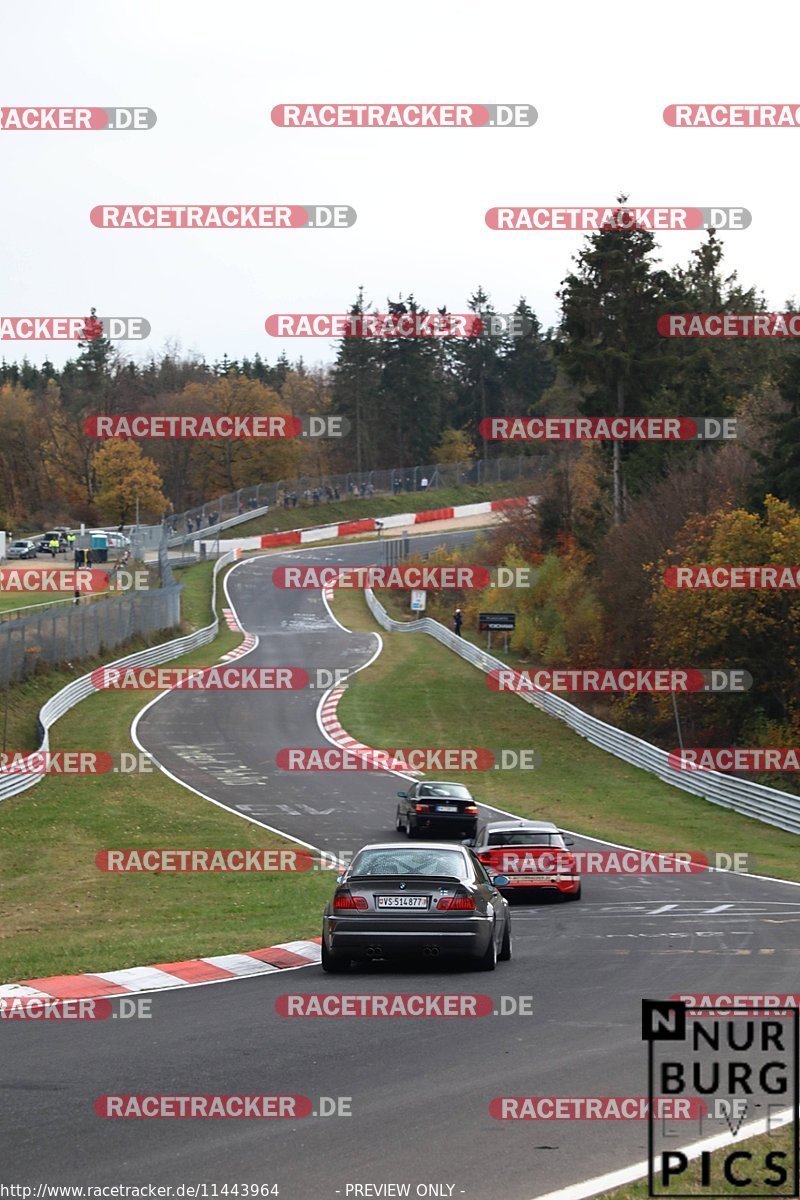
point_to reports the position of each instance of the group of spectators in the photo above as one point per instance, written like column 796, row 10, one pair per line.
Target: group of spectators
column 311, row 496
column 197, row 522
column 399, row 485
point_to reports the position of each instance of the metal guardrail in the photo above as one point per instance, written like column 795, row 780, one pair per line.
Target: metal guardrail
column 253, row 501
column 209, row 532
column 755, row 800
column 60, row 704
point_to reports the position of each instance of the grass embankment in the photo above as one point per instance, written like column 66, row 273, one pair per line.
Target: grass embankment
column 382, row 505
column 419, row 693
column 62, row 915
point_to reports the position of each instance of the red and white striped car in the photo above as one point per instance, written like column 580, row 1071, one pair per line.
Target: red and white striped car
column 533, row 854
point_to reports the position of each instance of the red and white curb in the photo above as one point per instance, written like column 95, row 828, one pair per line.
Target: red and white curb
column 130, row 980
column 334, row 730
column 249, row 643
column 319, row 533
column 231, row 620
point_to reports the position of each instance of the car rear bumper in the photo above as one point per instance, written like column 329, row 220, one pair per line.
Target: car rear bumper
column 566, row 885
column 387, row 938
column 431, row 821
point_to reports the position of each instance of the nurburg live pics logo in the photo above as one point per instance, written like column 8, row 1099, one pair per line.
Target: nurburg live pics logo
column 742, row 1060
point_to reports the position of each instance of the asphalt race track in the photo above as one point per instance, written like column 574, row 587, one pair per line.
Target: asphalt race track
column 420, row 1088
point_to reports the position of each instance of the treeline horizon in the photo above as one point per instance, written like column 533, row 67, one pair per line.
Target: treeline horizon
column 418, row 401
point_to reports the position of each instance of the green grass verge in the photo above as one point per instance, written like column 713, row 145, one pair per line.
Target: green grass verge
column 689, row 1183
column 376, row 506
column 417, row 693
column 62, row 915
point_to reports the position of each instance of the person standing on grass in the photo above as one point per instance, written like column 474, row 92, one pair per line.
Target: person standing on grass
column 458, row 620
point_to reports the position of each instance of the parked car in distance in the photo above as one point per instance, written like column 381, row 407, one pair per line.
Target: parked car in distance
column 43, row 542
column 533, row 855
column 24, row 548
column 448, row 808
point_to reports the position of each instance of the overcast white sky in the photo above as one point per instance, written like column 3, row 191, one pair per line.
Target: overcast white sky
column 599, row 77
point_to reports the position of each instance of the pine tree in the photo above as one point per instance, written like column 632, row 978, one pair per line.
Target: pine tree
column 356, row 379
column 610, row 345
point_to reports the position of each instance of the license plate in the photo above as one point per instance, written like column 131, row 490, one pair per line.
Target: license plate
column 402, row 901
column 527, row 878
column 447, row 808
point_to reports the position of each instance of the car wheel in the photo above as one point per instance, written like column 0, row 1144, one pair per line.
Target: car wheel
column 575, row 895
column 505, row 945
column 411, row 830
column 332, row 963
column 398, row 824
column 488, row 961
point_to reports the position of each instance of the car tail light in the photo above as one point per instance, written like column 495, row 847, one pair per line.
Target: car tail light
column 471, row 808
column 422, row 807
column 567, row 864
column 456, row 902
column 345, row 900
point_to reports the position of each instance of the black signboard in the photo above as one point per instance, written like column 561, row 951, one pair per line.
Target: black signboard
column 496, row 622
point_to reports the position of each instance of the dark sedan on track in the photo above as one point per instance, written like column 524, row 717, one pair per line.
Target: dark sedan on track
column 448, row 809
column 397, row 901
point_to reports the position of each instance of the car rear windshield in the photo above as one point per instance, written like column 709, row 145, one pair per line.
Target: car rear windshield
column 456, row 790
column 411, row 862
column 522, row 838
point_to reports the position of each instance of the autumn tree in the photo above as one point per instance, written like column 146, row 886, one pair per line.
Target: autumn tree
column 456, row 446
column 126, row 478
column 754, row 630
